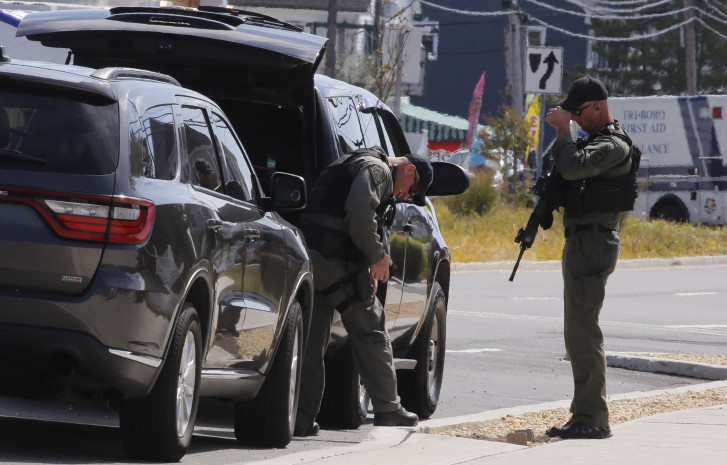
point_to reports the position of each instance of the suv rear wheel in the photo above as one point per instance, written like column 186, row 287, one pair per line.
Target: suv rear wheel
column 159, row 427
column 269, row 419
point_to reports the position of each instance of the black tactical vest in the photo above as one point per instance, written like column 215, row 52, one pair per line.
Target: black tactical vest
column 329, row 196
column 604, row 193
column 331, row 190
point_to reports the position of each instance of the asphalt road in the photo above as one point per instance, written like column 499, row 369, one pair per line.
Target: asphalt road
column 505, row 348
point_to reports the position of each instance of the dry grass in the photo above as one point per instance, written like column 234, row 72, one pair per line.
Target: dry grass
column 620, row 411
column 490, row 237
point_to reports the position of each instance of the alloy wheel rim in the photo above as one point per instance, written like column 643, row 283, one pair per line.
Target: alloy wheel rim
column 293, row 380
column 186, row 384
column 433, row 357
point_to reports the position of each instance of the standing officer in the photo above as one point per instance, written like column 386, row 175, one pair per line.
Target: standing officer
column 349, row 259
column 598, row 184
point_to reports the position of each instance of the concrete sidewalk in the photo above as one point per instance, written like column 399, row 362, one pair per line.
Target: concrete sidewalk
column 689, row 436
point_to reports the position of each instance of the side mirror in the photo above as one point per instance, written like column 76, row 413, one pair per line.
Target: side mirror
column 287, row 192
column 449, row 179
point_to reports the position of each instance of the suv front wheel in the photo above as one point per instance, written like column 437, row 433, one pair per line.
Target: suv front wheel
column 159, row 427
column 419, row 388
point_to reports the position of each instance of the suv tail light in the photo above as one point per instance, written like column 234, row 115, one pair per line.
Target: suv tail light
column 120, row 220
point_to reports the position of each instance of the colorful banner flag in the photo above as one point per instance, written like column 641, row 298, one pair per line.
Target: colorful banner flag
column 474, row 114
column 533, row 118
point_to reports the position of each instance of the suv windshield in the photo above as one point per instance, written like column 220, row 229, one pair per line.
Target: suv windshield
column 76, row 134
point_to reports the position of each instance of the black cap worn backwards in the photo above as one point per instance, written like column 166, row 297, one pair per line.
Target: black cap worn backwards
column 426, row 174
column 585, row 89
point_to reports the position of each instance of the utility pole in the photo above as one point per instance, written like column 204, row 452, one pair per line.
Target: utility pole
column 691, row 48
column 514, row 56
column 330, row 70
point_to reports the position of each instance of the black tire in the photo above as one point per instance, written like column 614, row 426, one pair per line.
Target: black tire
column 269, row 419
column 669, row 209
column 345, row 401
column 151, row 428
column 419, row 388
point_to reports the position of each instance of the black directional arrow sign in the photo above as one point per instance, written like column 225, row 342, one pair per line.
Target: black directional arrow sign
column 544, row 70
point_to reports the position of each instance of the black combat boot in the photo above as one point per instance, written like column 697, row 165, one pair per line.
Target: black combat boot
column 396, row 418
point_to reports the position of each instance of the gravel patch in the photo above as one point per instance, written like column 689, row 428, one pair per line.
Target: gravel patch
column 534, row 424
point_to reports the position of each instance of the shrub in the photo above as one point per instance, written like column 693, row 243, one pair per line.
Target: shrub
column 479, row 198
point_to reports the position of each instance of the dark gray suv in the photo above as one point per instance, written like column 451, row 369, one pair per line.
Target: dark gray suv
column 141, row 264
column 261, row 72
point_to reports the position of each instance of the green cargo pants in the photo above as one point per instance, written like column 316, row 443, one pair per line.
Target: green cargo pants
column 589, row 257
column 365, row 323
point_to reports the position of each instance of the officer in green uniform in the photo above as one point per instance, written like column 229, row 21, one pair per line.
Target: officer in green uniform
column 598, row 185
column 349, row 259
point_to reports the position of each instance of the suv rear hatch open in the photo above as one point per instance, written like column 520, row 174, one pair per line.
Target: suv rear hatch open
column 215, row 51
column 258, row 69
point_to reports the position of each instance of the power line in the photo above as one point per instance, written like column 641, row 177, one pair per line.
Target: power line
column 465, row 12
column 583, row 14
column 593, row 37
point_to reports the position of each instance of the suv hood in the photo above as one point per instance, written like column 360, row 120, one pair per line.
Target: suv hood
column 216, row 50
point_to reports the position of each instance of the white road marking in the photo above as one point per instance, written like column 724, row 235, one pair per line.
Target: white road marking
column 474, row 351
column 701, row 329
column 690, row 294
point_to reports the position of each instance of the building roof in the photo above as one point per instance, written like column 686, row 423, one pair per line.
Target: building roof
column 343, row 5
column 441, row 127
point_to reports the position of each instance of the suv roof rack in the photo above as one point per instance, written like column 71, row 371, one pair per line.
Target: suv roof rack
column 133, row 73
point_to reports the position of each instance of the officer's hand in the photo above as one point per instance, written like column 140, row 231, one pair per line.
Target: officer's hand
column 379, row 271
column 559, row 119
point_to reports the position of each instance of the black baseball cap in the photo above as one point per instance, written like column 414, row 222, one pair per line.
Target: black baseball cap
column 585, row 89
column 426, row 174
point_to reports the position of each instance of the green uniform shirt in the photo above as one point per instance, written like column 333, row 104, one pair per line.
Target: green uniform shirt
column 600, row 157
column 371, row 185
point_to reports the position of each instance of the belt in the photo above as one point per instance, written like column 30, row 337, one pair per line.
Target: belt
column 595, row 227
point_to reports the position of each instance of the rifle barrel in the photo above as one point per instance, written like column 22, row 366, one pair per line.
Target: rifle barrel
column 517, row 263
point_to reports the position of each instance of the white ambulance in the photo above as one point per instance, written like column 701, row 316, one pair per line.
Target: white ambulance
column 682, row 175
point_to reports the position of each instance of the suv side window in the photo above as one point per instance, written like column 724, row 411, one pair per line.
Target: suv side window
column 348, row 128
column 394, row 134
column 371, row 130
column 199, row 149
column 237, row 174
column 153, row 143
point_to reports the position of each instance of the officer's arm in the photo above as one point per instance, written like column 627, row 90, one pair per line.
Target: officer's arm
column 596, row 158
column 363, row 199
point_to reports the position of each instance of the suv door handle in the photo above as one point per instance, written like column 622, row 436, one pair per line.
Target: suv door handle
column 214, row 224
column 252, row 234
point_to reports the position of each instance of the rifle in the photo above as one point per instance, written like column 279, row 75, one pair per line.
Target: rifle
column 542, row 215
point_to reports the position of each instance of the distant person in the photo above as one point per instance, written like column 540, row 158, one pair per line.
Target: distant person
column 206, row 175
column 349, row 260
column 598, row 186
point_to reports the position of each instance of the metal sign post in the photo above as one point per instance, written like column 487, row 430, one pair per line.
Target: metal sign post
column 543, row 75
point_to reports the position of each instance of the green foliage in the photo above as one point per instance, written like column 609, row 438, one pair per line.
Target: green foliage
column 507, row 141
column 657, row 66
column 478, row 199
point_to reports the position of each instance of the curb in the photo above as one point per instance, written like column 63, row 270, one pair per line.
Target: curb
column 554, row 265
column 668, row 366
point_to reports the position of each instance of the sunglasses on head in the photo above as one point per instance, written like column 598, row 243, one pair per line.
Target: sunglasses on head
column 578, row 111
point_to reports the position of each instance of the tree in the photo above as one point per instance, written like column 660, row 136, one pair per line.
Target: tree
column 378, row 72
column 507, row 141
column 657, row 66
